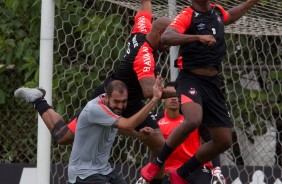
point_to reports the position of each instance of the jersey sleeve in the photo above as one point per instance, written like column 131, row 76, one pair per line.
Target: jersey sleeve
column 144, row 63
column 183, row 20
column 100, row 114
column 225, row 14
column 142, row 22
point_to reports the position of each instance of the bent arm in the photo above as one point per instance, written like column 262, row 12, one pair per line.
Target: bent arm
column 132, row 122
column 238, row 11
column 172, row 37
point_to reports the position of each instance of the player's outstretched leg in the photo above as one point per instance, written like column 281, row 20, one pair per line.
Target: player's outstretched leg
column 60, row 132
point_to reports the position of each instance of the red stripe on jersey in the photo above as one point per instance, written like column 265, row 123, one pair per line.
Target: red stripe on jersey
column 110, row 113
column 180, row 62
column 185, row 99
column 183, row 20
column 72, row 124
column 144, row 63
column 142, row 22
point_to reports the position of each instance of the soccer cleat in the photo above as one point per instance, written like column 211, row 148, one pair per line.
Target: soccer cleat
column 217, row 176
column 149, row 171
column 141, row 181
column 175, row 178
column 30, row 94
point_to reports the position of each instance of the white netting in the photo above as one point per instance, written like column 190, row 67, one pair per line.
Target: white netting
column 265, row 19
column 90, row 37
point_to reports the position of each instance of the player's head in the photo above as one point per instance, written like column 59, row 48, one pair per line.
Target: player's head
column 171, row 103
column 158, row 27
column 116, row 96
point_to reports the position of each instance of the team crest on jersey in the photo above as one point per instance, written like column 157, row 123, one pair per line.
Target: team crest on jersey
column 192, row 91
column 218, row 18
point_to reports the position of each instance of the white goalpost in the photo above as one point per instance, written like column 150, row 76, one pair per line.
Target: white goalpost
column 45, row 81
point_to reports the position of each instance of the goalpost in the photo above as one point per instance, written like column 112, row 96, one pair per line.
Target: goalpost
column 89, row 41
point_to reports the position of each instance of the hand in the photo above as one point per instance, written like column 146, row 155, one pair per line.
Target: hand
column 158, row 87
column 145, row 132
column 207, row 39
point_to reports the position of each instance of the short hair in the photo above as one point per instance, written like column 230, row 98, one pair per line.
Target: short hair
column 171, row 84
column 161, row 23
column 115, row 85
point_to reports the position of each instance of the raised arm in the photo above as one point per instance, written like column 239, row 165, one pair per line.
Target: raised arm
column 146, row 5
column 132, row 122
column 238, row 11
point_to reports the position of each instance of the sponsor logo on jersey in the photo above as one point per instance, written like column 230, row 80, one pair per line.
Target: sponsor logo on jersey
column 192, row 91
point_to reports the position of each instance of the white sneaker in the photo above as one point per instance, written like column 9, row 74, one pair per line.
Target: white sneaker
column 217, row 176
column 141, row 181
column 30, row 94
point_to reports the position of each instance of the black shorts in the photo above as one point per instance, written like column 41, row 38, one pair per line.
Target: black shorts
column 205, row 90
column 202, row 175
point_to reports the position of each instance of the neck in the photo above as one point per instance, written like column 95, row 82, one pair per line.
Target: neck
column 172, row 114
column 201, row 5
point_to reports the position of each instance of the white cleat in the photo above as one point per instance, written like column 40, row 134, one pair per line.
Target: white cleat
column 30, row 94
column 217, row 177
column 141, row 181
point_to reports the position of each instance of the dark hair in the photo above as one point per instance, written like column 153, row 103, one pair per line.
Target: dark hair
column 115, row 85
column 170, row 84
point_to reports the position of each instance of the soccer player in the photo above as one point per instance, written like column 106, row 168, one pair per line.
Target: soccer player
column 199, row 30
column 136, row 70
column 96, row 130
column 168, row 120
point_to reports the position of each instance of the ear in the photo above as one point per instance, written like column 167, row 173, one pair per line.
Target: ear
column 106, row 98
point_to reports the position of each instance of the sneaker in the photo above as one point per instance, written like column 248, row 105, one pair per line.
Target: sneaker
column 217, row 176
column 141, row 180
column 149, row 171
column 175, row 178
column 30, row 94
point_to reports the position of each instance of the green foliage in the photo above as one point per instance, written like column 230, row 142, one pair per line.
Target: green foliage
column 256, row 107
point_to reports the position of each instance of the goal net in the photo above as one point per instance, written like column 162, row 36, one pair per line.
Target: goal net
column 90, row 37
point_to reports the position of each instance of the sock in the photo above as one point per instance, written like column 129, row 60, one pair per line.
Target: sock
column 156, row 181
column 216, row 162
column 41, row 105
column 163, row 155
column 188, row 167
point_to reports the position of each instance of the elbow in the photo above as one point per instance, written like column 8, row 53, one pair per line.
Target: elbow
column 148, row 93
column 164, row 39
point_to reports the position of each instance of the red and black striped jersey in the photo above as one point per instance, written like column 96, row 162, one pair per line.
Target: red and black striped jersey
column 196, row 54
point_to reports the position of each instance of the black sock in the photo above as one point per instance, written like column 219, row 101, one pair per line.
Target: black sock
column 216, row 162
column 156, row 181
column 41, row 105
column 188, row 167
column 163, row 155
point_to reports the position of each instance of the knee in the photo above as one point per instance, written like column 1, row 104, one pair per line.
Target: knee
column 224, row 144
column 189, row 126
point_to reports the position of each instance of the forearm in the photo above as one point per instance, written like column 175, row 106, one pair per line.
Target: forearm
column 131, row 133
column 172, row 38
column 168, row 94
column 240, row 10
column 132, row 122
